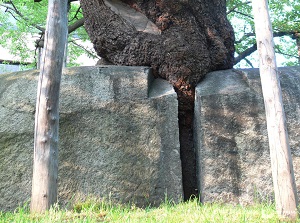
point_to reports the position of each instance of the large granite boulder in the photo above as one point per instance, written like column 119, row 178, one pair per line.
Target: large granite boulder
column 231, row 135
column 118, row 136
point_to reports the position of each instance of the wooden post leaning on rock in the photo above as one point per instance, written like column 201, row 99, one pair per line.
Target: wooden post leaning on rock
column 281, row 160
column 45, row 166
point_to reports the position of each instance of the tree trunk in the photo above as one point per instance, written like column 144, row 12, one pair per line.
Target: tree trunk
column 45, row 166
column 281, row 160
column 39, row 57
column 181, row 40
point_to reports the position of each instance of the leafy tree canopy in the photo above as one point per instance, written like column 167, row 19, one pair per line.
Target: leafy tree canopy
column 285, row 16
column 22, row 24
column 22, row 27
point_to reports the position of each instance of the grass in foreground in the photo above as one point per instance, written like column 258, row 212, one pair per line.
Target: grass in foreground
column 190, row 211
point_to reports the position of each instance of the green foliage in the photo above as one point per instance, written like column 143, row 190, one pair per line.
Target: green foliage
column 192, row 211
column 285, row 17
column 15, row 31
column 23, row 23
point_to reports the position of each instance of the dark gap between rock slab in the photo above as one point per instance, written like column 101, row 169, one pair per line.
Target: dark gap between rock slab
column 186, row 104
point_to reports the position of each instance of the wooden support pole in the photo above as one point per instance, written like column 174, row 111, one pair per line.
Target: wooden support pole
column 45, row 166
column 281, row 160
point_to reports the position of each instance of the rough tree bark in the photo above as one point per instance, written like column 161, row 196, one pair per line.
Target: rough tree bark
column 182, row 40
column 45, row 166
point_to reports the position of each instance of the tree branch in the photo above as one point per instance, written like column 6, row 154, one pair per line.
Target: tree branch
column 71, row 28
column 244, row 37
column 16, row 11
column 238, row 5
column 249, row 62
column 75, row 25
column 293, row 34
column 243, row 14
column 278, row 50
column 9, row 10
column 87, row 51
column 76, row 13
column 246, row 53
column 253, row 48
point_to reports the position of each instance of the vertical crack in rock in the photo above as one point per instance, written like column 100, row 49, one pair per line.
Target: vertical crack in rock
column 180, row 40
column 186, row 105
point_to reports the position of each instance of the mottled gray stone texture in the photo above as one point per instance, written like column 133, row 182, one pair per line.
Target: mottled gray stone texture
column 231, row 135
column 118, row 136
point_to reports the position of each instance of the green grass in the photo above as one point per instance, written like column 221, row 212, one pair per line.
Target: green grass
column 184, row 212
